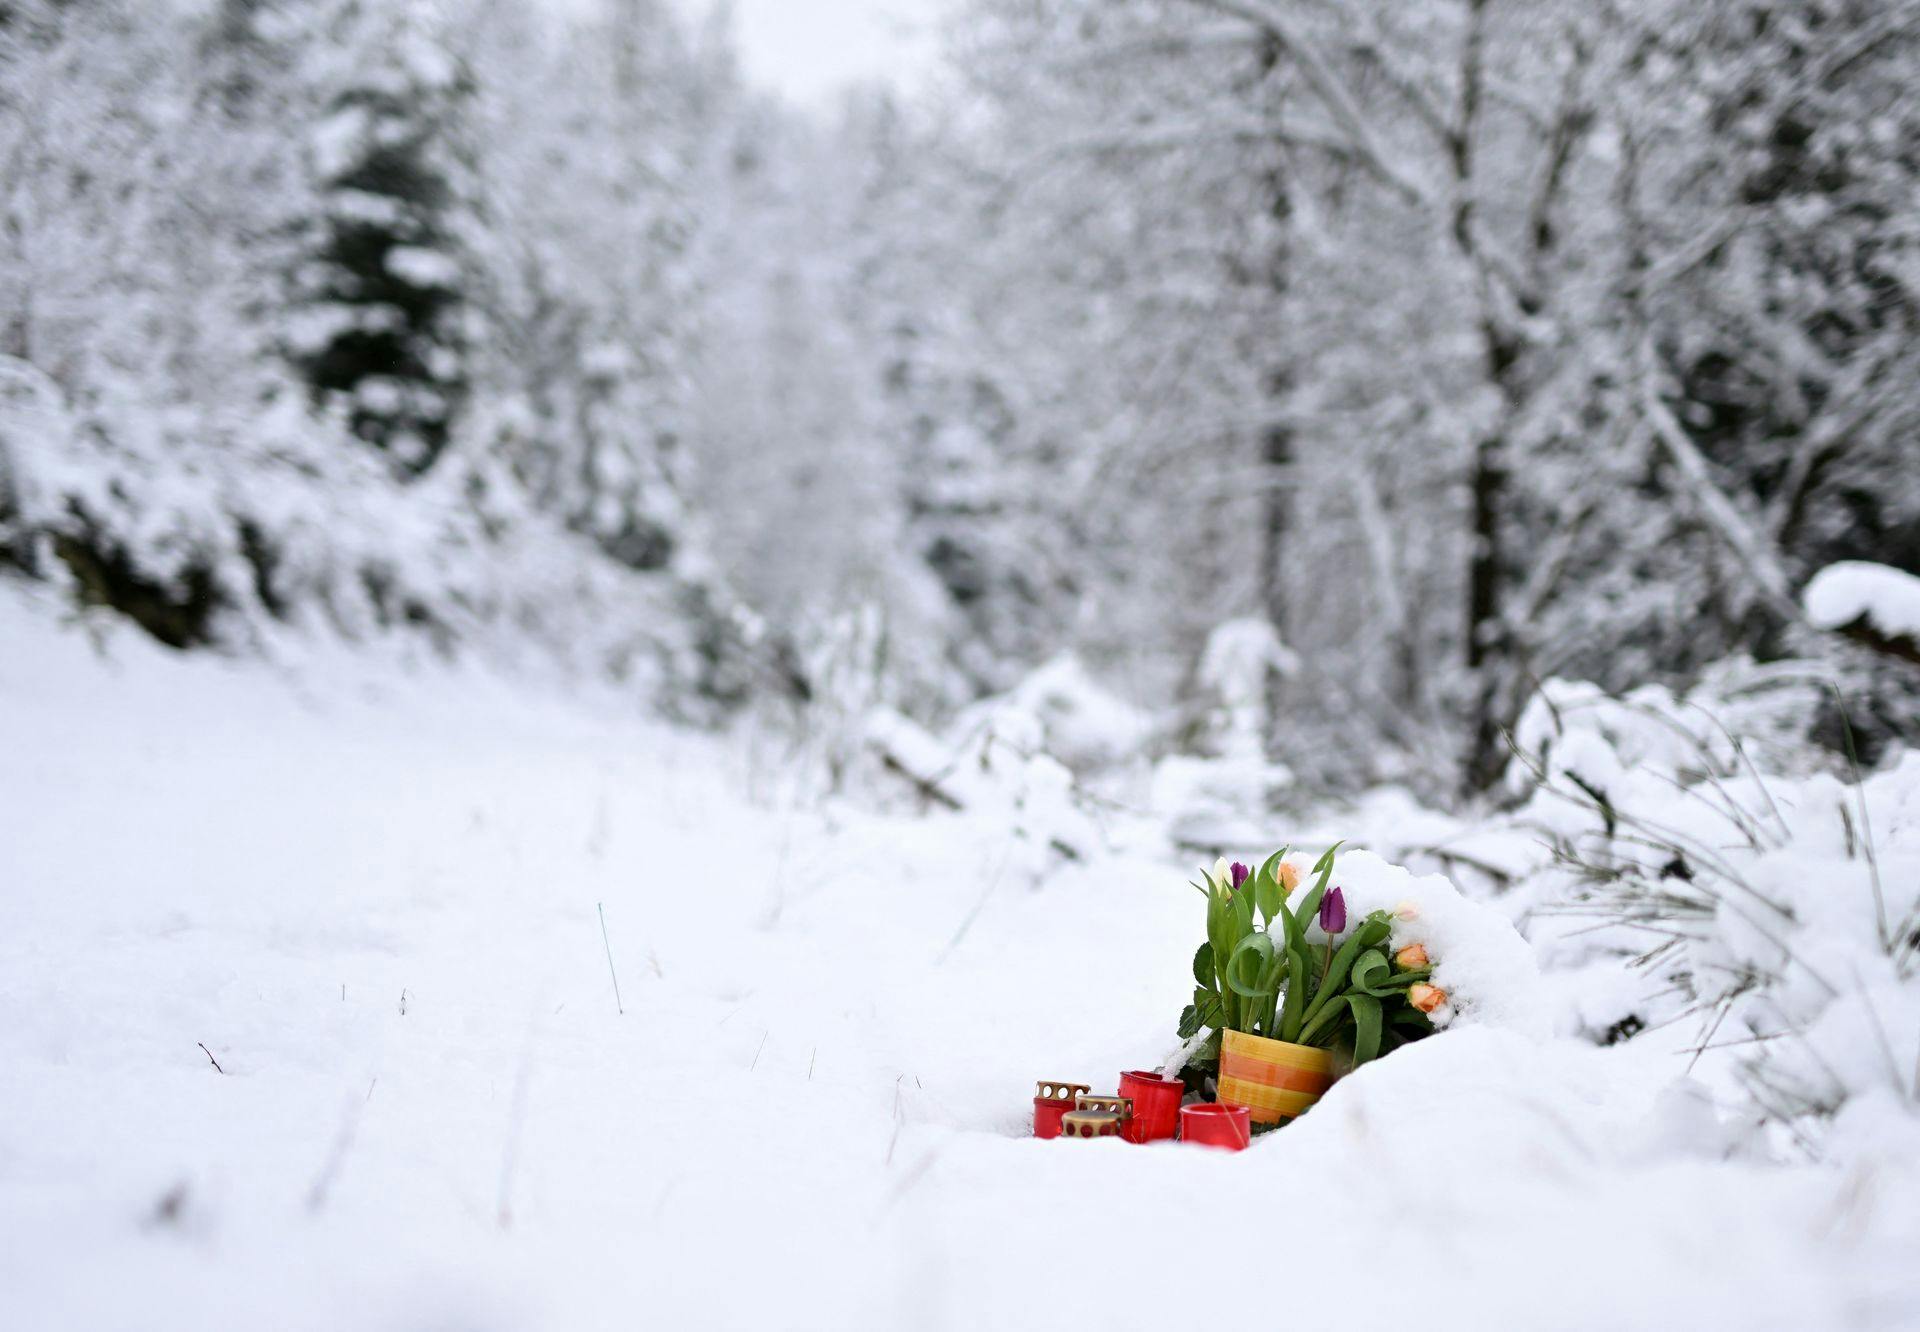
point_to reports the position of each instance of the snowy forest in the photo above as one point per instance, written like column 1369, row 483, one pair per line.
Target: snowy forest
column 486, row 484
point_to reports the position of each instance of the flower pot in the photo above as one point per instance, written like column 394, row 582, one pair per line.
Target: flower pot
column 1222, row 1125
column 1275, row 1080
column 1156, row 1106
column 1055, row 1099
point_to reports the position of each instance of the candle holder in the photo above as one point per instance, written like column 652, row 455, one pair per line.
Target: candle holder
column 1090, row 1124
column 1222, row 1124
column 1052, row 1100
column 1156, row 1106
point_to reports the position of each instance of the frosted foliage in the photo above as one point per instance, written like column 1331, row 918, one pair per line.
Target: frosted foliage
column 1771, row 907
column 1062, row 709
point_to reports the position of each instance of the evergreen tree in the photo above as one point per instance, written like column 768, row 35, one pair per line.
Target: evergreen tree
column 381, row 334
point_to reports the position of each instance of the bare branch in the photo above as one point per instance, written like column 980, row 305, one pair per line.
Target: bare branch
column 1754, row 551
column 1327, row 86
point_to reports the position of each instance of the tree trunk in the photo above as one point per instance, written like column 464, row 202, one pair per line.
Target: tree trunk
column 1487, row 639
column 1276, row 453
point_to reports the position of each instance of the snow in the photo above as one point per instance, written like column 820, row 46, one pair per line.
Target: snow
column 1062, row 707
column 1887, row 599
column 374, row 896
column 423, row 267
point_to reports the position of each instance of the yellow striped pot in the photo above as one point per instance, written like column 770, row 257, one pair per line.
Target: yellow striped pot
column 1275, row 1080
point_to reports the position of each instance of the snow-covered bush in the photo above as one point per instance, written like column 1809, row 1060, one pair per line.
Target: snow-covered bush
column 1871, row 601
column 1221, row 788
column 1062, row 710
column 242, row 530
column 1001, row 773
column 1770, row 906
column 1232, row 688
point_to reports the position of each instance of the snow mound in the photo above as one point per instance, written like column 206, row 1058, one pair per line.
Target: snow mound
column 1217, row 802
column 1886, row 599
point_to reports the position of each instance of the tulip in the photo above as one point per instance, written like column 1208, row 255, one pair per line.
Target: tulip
column 1222, row 876
column 1426, row 998
column 1289, row 877
column 1407, row 911
column 1411, row 958
column 1333, row 912
column 1240, row 873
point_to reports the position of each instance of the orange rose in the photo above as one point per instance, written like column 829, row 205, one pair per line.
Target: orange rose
column 1426, row 998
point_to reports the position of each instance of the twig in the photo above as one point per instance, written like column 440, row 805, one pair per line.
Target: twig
column 978, row 906
column 1866, row 829
column 899, row 1117
column 210, row 1058
column 337, row 1154
column 618, row 1006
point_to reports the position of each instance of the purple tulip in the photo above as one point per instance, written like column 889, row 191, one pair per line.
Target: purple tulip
column 1333, row 912
column 1240, row 873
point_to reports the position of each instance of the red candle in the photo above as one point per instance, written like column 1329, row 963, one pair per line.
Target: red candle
column 1156, row 1106
column 1220, row 1125
column 1054, row 1100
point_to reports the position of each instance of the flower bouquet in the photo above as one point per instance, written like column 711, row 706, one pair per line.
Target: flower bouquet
column 1284, row 987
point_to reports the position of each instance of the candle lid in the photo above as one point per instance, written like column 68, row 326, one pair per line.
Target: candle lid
column 1052, row 1089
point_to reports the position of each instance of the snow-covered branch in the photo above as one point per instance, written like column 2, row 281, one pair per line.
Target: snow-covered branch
column 1329, row 88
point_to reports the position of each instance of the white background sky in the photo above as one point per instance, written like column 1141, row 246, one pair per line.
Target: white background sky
column 810, row 49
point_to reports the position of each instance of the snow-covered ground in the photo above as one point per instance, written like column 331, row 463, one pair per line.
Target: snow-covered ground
column 374, row 900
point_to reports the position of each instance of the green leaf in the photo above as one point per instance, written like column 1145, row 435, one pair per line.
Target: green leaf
column 1242, row 914
column 1220, row 931
column 1324, row 865
column 1268, row 895
column 1189, row 1022
column 1252, row 971
column 1296, row 1000
column 1203, row 965
column 1366, row 1027
column 1206, row 1002
column 1364, row 970
column 1309, row 907
column 1372, row 931
column 1372, row 974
